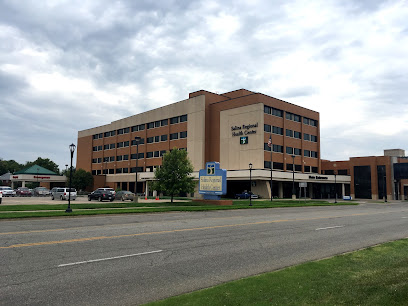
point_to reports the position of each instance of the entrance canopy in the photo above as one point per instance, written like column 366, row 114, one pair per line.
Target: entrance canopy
column 36, row 173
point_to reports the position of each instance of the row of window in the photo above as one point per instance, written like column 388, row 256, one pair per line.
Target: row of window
column 141, row 127
column 290, row 150
column 298, row 168
column 290, row 116
column 118, row 170
column 289, row 133
column 124, row 144
column 339, row 172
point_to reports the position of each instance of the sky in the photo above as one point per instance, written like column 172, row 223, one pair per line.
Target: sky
column 71, row 65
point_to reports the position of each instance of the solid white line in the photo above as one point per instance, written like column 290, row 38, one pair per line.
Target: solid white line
column 109, row 258
column 324, row 228
column 404, row 217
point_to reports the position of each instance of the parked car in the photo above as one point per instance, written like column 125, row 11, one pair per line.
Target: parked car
column 7, row 191
column 41, row 192
column 101, row 195
column 23, row 192
column 109, row 189
column 245, row 195
column 125, row 195
column 63, row 193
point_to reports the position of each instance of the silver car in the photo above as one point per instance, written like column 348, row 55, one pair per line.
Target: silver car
column 63, row 193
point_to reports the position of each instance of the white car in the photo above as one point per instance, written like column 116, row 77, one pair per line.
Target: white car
column 7, row 191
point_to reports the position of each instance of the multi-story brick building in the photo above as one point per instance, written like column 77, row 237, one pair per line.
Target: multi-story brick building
column 233, row 128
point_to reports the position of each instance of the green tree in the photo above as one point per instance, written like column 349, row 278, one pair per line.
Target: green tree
column 173, row 177
column 81, row 179
column 9, row 166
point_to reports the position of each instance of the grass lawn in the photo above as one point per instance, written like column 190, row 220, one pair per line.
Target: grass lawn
column 374, row 276
column 26, row 211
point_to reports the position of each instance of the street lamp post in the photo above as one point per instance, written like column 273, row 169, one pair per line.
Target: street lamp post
column 293, row 178
column 71, row 149
column 137, row 140
column 250, row 184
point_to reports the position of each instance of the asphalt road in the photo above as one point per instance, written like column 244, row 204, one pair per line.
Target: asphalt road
column 133, row 259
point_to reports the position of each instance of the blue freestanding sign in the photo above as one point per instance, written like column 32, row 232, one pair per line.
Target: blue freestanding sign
column 212, row 181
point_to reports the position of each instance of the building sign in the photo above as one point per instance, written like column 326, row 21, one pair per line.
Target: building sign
column 243, row 140
column 313, row 177
column 245, row 129
column 212, row 181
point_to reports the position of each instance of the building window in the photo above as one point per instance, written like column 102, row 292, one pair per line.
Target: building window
column 307, row 168
column 292, row 117
column 120, row 144
column 267, row 164
column 163, row 137
column 118, row 170
column 306, row 153
column 94, row 160
column 266, row 147
column 306, row 137
column 173, row 136
column 289, row 150
column 157, row 123
column 277, row 130
column 313, row 138
column 329, row 172
column 297, row 151
column 289, row 133
column 150, row 125
column 126, row 144
column 309, row 121
column 99, row 160
column 156, row 138
column 298, row 168
column 93, row 172
column 149, row 154
column 314, row 170
column 133, row 156
column 141, row 141
column 342, row 172
column 141, row 155
column 150, row 139
column 120, row 131
column 156, row 153
column 277, row 112
column 289, row 167
column 183, row 134
column 313, row 154
column 267, row 110
column 164, row 122
column 111, row 171
column 162, row 152
column 183, row 118
column 278, row 166
column 112, row 146
column 98, row 172
column 267, row 128
column 112, row 158
column 126, row 157
column 105, row 159
column 99, row 148
column 297, row 135
column 126, row 130
column 174, row 120
column 125, row 170
column 119, row 158
column 95, row 149
column 277, row 148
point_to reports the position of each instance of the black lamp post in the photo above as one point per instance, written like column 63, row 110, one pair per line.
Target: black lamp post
column 137, row 140
column 250, row 184
column 66, row 169
column 71, row 149
column 293, row 177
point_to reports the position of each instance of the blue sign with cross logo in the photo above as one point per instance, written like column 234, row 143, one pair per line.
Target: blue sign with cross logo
column 212, row 181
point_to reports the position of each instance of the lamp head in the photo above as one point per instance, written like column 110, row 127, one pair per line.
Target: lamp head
column 250, row 165
column 72, row 147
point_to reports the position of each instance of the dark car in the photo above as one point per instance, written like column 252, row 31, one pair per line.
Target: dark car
column 101, row 195
column 245, row 195
column 23, row 192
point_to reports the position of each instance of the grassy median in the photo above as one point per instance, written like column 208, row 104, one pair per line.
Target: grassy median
column 54, row 210
column 374, row 276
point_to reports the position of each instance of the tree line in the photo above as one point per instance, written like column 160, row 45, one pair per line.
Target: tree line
column 13, row 166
